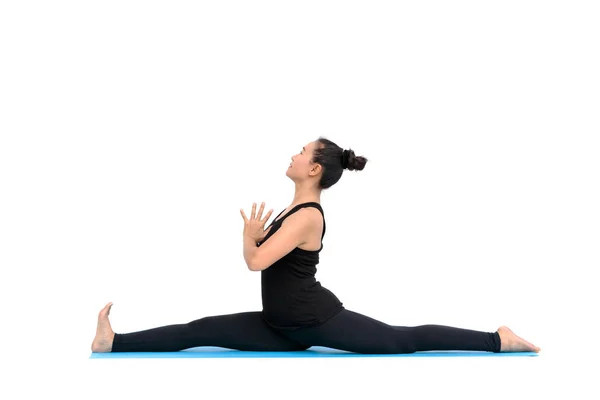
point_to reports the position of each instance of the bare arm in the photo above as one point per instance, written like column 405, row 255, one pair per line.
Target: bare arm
column 250, row 248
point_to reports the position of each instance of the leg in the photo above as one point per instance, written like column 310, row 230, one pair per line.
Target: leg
column 240, row 331
column 351, row 331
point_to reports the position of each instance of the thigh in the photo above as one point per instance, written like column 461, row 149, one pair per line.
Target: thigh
column 241, row 331
column 355, row 332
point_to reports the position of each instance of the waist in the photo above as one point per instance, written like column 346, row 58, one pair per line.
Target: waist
column 293, row 319
column 299, row 307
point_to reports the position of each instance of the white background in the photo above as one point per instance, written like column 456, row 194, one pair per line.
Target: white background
column 133, row 132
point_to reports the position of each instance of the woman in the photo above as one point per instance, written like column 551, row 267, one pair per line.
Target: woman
column 297, row 311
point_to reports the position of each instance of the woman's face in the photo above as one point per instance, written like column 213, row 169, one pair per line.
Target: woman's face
column 300, row 164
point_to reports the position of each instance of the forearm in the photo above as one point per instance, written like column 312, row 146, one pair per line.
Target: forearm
column 250, row 248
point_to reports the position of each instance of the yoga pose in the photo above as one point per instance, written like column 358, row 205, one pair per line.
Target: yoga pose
column 297, row 311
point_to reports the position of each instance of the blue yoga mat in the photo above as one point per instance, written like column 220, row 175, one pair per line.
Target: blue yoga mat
column 314, row 351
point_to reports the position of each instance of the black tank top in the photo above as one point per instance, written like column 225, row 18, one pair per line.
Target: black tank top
column 291, row 296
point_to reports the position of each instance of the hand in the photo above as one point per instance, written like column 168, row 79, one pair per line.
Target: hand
column 254, row 227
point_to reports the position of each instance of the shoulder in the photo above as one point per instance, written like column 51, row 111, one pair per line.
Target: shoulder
column 310, row 216
column 306, row 220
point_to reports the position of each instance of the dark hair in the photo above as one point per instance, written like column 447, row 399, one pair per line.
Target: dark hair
column 330, row 156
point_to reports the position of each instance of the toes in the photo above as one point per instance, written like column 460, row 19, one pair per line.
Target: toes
column 105, row 310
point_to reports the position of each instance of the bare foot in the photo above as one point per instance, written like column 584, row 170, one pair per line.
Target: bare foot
column 509, row 342
column 104, row 334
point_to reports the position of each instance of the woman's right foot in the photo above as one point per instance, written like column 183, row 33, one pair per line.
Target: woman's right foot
column 104, row 334
column 509, row 342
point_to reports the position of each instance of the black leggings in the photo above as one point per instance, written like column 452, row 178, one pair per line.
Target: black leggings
column 347, row 330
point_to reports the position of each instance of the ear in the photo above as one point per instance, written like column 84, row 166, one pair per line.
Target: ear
column 316, row 169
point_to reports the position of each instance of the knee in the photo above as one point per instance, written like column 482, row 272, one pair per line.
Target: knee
column 390, row 348
column 199, row 323
column 395, row 344
column 405, row 349
column 405, row 343
column 399, row 347
column 390, row 341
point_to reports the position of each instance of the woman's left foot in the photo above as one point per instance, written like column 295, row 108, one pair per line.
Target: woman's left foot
column 104, row 334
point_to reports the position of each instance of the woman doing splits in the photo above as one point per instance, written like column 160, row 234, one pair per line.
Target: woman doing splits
column 297, row 311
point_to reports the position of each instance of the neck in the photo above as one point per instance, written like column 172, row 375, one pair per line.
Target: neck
column 305, row 194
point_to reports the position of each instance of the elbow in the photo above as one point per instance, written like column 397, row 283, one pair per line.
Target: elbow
column 256, row 263
column 254, row 268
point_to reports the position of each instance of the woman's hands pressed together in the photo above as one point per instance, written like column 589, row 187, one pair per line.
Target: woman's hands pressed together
column 254, row 227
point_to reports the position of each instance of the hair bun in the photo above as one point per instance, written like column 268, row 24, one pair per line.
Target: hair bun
column 345, row 157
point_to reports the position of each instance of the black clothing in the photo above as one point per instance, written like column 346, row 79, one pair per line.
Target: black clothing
column 299, row 313
column 241, row 331
column 291, row 296
column 347, row 330
column 358, row 333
